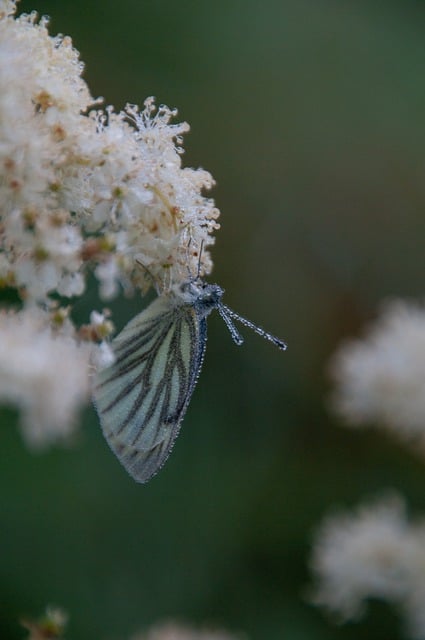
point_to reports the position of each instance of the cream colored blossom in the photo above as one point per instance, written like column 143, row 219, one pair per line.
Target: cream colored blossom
column 372, row 553
column 67, row 176
column 82, row 191
column 380, row 379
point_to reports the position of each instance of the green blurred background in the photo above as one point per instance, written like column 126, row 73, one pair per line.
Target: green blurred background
column 310, row 115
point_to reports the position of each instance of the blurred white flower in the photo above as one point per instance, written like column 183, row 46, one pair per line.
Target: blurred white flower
column 51, row 625
column 43, row 373
column 381, row 378
column 174, row 631
column 372, row 553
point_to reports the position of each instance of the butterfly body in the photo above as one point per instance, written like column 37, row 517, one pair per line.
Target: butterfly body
column 142, row 397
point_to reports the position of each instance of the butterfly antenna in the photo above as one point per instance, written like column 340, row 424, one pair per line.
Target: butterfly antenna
column 227, row 314
column 155, row 280
column 236, row 336
column 190, row 278
column 198, row 274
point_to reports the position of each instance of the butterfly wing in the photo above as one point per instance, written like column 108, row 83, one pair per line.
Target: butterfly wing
column 141, row 399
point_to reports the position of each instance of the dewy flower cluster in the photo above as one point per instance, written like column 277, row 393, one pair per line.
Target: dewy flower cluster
column 372, row 553
column 82, row 190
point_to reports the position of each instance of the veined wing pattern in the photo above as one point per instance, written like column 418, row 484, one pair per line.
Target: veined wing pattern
column 142, row 398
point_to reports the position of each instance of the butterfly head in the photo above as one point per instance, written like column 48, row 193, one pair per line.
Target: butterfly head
column 210, row 294
column 208, row 298
column 204, row 296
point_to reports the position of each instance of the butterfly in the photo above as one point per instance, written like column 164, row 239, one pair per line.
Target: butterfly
column 142, row 397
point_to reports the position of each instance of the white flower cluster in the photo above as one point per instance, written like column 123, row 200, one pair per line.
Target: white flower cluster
column 381, row 378
column 373, row 553
column 82, row 192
